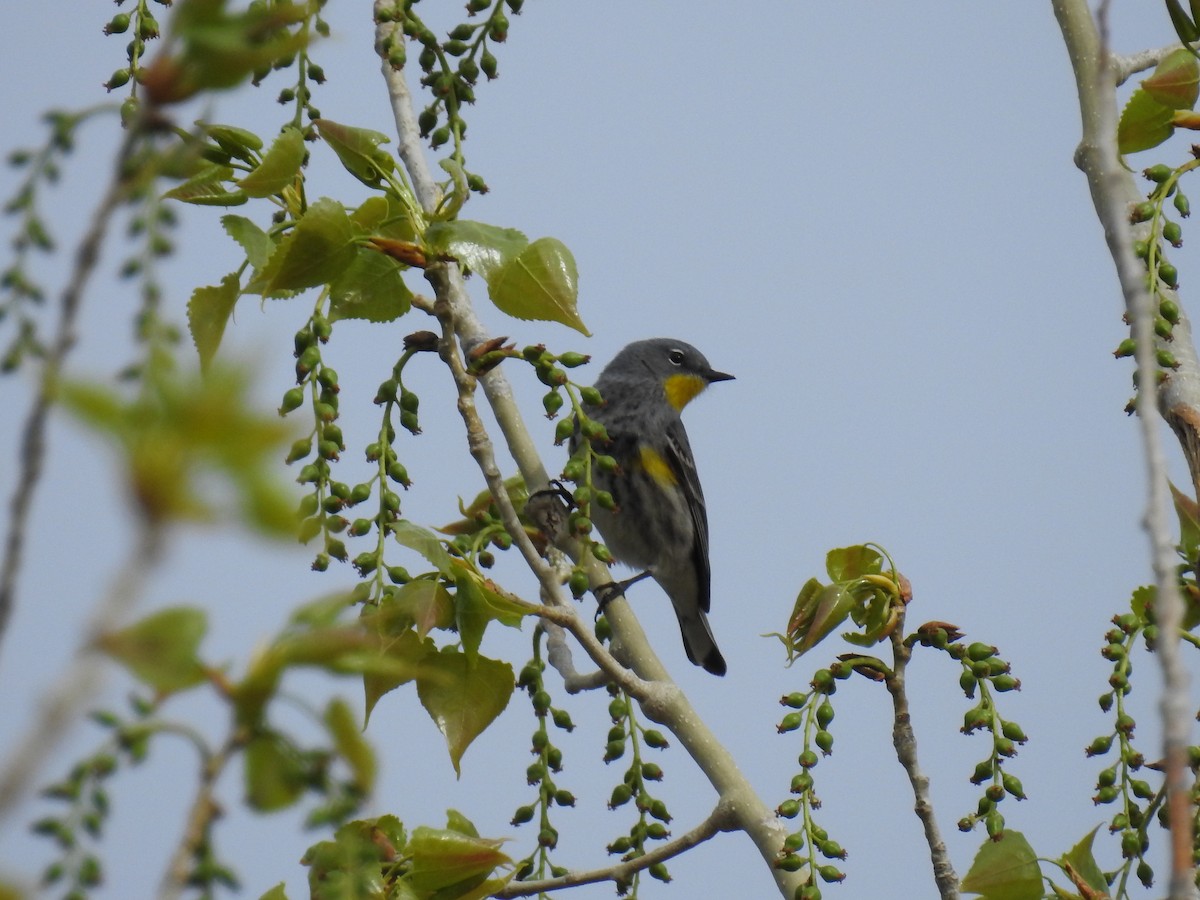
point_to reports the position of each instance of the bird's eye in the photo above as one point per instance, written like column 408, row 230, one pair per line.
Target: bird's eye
column 676, row 357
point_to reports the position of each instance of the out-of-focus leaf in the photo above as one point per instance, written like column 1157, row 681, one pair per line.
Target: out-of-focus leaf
column 463, row 697
column 348, row 740
column 161, row 649
column 274, row 774
column 318, row 249
column 541, row 283
column 208, row 311
column 1005, row 869
column 276, row 893
column 279, row 165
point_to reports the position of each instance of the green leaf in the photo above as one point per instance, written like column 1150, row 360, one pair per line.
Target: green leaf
column 237, row 142
column 1145, row 123
column 1005, row 869
column 359, row 151
column 348, row 741
column 274, row 774
column 540, row 283
column 370, row 288
column 822, row 612
column 453, row 202
column 1176, row 80
column 207, row 312
column 1184, row 27
column 1084, row 866
column 279, row 165
column 849, row 563
column 255, row 243
column 1189, row 523
column 442, row 857
column 276, row 893
column 424, row 542
column 318, row 250
column 426, row 604
column 463, row 697
column 399, row 643
column 160, row 650
column 208, row 188
column 482, row 248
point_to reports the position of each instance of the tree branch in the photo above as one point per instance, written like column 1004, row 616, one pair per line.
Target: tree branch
column 1113, row 191
column 720, row 819
column 905, row 742
column 33, row 434
column 80, row 682
column 660, row 698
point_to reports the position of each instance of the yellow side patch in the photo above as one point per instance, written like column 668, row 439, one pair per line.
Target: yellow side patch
column 682, row 389
column 657, row 467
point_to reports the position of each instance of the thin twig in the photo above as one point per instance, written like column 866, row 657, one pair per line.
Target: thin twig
column 1125, row 66
column 905, row 742
column 1113, row 191
column 720, row 819
column 80, row 682
column 33, row 433
column 203, row 812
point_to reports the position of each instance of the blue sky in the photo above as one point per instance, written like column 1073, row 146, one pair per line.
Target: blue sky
column 869, row 214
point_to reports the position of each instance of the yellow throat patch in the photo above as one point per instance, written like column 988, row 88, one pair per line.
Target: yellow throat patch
column 682, row 389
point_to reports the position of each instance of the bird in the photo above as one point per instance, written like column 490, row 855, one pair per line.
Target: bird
column 658, row 522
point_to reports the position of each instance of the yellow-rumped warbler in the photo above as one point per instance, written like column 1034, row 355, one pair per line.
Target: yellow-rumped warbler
column 659, row 523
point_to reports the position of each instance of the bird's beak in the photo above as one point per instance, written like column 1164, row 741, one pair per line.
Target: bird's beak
column 719, row 376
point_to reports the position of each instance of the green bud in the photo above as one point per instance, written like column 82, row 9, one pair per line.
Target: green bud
column 967, row 681
column 1141, row 249
column 522, row 815
column 590, row 396
column 1181, row 204
column 788, row 809
column 548, row 837
column 1141, row 789
column 795, row 700
column 824, row 742
column 119, row 24
column 1100, row 745
column 994, row 792
column 398, row 575
column 1013, row 786
column 1168, row 274
column 658, row 809
column 408, row 421
column 983, row 771
column 652, row 771
column 1013, row 732
column 801, row 782
column 1141, row 212
column 291, row 400
column 994, row 824
column 621, row 795
column 1167, row 360
column 1145, row 874
column 1004, row 683
column 790, row 722
column 655, row 739
column 387, row 391
column 823, row 681
column 564, row 798
column 832, row 850
column 830, row 874
column 1106, row 795
column 1173, row 234
column 659, row 872
column 1131, row 844
column 554, row 759
column 824, row 713
column 808, row 758
column 1158, row 173
column 564, row 430
column 980, row 651
column 300, row 449
column 487, row 62
column 1169, row 310
column 397, row 473
column 541, row 702
column 552, row 403
column 790, row 863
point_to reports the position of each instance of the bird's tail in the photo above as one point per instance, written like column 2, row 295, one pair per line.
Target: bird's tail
column 699, row 642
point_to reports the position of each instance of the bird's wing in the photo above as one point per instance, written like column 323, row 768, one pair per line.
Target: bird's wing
column 679, row 457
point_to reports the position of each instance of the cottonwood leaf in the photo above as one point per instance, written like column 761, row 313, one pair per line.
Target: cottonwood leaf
column 463, row 696
column 160, row 650
column 208, row 311
column 278, row 167
column 1005, row 869
column 255, row 243
column 318, row 249
column 541, row 283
